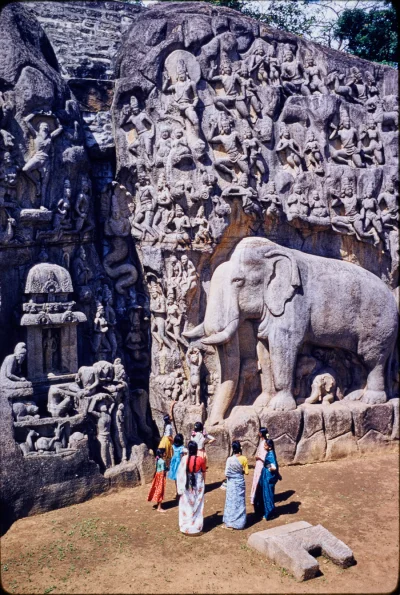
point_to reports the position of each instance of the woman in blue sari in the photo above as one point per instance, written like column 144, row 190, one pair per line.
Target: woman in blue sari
column 269, row 476
column 235, row 503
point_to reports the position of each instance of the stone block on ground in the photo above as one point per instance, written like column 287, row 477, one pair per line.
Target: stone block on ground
column 371, row 440
column 285, row 448
column 243, row 424
column 144, row 460
column 371, row 417
column 396, row 425
column 312, row 419
column 124, row 475
column 311, row 450
column 282, row 422
column 290, row 547
column 218, row 451
column 341, row 446
column 337, row 420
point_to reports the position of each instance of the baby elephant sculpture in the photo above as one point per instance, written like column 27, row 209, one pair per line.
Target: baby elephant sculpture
column 323, row 389
column 293, row 298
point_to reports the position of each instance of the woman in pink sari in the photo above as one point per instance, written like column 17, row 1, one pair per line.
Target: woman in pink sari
column 260, row 457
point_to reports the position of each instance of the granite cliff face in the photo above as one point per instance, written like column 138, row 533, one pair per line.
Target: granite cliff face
column 196, row 210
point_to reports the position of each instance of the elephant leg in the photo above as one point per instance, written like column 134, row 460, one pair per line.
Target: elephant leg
column 283, row 362
column 267, row 382
column 375, row 389
column 230, row 364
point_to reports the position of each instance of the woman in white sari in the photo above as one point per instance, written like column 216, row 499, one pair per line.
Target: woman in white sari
column 191, row 488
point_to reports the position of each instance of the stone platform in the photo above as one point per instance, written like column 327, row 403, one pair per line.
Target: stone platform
column 310, row 433
column 293, row 547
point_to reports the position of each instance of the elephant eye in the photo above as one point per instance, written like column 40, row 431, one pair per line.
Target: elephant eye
column 239, row 281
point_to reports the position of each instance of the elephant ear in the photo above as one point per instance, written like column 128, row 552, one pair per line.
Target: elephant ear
column 281, row 281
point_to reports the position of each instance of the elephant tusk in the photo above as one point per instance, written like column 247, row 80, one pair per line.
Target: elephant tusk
column 194, row 333
column 223, row 336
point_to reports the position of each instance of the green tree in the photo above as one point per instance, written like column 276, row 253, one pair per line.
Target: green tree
column 370, row 35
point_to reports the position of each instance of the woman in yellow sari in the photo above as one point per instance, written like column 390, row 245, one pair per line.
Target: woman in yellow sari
column 167, row 439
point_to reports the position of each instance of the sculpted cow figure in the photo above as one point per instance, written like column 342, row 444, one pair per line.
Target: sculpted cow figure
column 293, row 298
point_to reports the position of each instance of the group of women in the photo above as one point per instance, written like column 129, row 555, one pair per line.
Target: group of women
column 187, row 467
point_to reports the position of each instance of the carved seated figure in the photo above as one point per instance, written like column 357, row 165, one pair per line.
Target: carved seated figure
column 10, row 371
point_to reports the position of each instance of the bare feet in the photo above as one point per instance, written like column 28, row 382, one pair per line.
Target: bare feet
column 161, row 510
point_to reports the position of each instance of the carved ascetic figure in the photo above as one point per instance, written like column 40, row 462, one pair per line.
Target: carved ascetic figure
column 288, row 151
column 82, row 207
column 231, row 143
column 104, row 420
column 318, row 208
column 8, row 179
column 292, row 78
column 185, row 95
column 143, row 126
column 348, row 153
column 287, row 293
column 194, row 360
column 10, row 371
column 146, row 200
column 158, row 308
column 82, row 272
column 314, row 76
column 40, row 161
column 121, row 443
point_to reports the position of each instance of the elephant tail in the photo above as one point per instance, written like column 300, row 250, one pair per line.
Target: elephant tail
column 389, row 368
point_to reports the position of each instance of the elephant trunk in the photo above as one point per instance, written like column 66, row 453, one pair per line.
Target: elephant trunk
column 229, row 358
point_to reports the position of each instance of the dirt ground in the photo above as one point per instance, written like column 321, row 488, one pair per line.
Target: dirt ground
column 117, row 543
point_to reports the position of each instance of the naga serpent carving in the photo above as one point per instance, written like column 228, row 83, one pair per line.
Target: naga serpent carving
column 125, row 273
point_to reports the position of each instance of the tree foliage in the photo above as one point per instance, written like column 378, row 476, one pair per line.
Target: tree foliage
column 370, row 35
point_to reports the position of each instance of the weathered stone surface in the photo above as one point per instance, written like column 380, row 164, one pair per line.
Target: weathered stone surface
column 343, row 445
column 337, row 420
column 396, row 420
column 243, row 425
column 208, row 183
column 311, row 449
column 371, row 441
column 374, row 417
column 289, row 546
column 312, row 419
column 282, row 422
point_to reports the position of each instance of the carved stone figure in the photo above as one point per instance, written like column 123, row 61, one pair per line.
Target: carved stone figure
column 297, row 203
column 120, row 433
column 180, row 150
column 163, row 147
column 234, row 93
column 82, row 207
column 174, row 320
column 372, row 147
column 194, row 360
column 348, row 153
column 25, row 410
column 142, row 124
column 252, row 149
column 104, row 420
column 185, row 95
column 230, row 141
column 323, row 389
column 312, row 154
column 314, row 76
column 158, row 310
column 292, row 78
column 270, row 201
column 40, row 161
column 288, row 151
column 8, row 179
column 370, row 215
column 290, row 286
column 202, row 235
column 10, row 371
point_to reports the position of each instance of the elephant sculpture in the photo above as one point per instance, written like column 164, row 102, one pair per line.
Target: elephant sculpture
column 292, row 298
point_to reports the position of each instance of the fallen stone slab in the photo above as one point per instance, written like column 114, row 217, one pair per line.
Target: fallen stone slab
column 293, row 547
